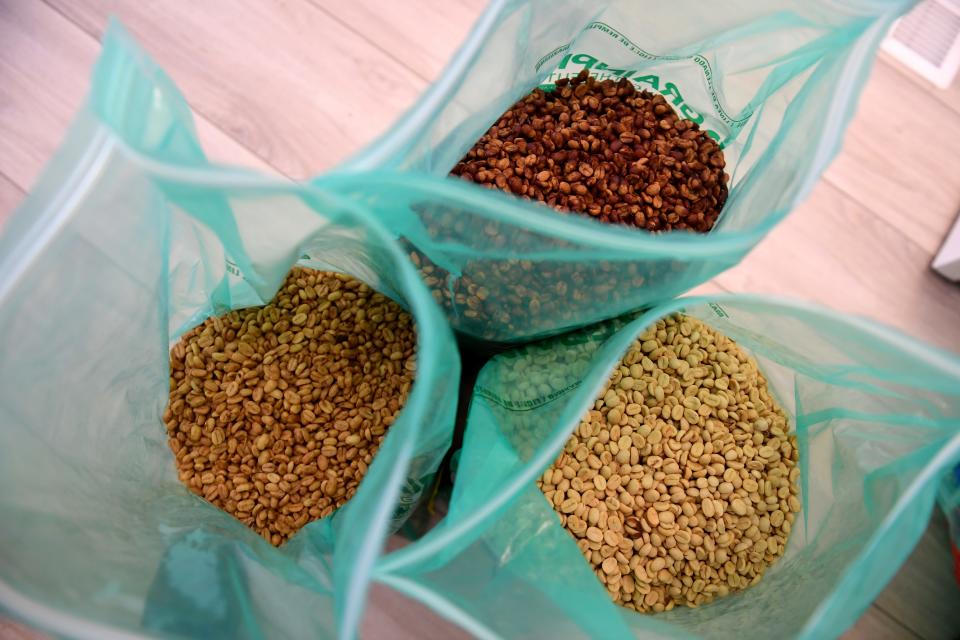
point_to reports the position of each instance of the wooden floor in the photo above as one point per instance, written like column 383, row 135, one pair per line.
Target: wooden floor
column 297, row 85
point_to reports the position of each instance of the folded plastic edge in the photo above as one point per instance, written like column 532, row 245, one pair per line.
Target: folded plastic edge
column 618, row 343
column 374, row 162
column 121, row 58
column 510, row 210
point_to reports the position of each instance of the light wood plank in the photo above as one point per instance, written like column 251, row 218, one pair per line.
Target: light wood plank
column 834, row 251
column 924, row 595
column 35, row 112
column 283, row 78
column 950, row 97
column 420, row 34
column 13, row 630
column 900, row 158
column 708, row 289
column 875, row 624
column 389, row 614
column 38, row 46
column 10, row 197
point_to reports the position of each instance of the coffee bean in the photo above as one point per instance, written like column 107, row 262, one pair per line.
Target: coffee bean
column 320, row 402
column 607, row 159
column 605, row 150
column 685, row 536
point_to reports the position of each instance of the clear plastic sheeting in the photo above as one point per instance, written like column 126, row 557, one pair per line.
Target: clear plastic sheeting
column 877, row 419
column 129, row 238
column 774, row 82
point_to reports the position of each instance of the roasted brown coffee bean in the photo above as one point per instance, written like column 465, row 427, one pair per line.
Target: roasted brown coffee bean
column 606, row 150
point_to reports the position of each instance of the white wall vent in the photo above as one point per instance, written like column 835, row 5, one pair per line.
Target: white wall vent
column 927, row 41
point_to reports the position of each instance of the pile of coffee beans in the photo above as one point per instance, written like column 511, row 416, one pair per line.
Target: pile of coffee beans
column 606, row 150
column 276, row 412
column 681, row 484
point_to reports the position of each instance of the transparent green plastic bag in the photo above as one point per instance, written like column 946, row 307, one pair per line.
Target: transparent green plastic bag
column 129, row 238
column 949, row 499
column 877, row 416
column 775, row 82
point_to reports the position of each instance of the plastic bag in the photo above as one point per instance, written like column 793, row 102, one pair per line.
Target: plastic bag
column 775, row 82
column 877, row 416
column 950, row 503
column 129, row 238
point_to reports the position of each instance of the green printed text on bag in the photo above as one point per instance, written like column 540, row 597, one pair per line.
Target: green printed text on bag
column 774, row 82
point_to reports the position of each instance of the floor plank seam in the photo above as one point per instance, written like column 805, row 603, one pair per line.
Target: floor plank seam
column 373, row 43
column 883, row 220
column 894, row 621
column 938, row 94
column 197, row 113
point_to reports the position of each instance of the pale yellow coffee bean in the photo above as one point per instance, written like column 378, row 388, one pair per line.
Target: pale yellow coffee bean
column 652, row 517
column 610, row 566
column 764, row 524
column 612, row 538
column 684, row 475
column 794, row 504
